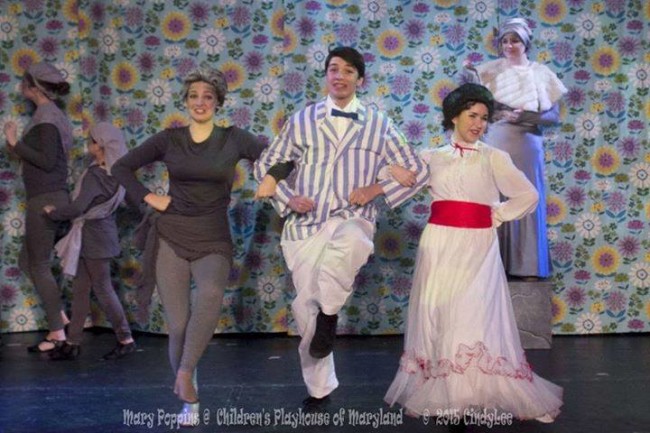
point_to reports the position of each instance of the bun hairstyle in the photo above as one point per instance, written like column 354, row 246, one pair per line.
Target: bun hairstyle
column 462, row 98
column 208, row 75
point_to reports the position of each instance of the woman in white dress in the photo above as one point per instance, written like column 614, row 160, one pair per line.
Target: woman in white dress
column 462, row 353
column 527, row 98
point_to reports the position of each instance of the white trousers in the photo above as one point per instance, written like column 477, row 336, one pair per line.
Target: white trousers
column 323, row 269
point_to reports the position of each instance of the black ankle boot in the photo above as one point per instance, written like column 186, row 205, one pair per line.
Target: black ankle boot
column 120, row 351
column 313, row 404
column 323, row 341
column 65, row 352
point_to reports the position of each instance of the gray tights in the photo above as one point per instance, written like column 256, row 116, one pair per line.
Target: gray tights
column 37, row 256
column 190, row 322
column 96, row 274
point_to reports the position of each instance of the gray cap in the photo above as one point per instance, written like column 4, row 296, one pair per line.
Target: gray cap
column 111, row 139
column 518, row 26
column 46, row 73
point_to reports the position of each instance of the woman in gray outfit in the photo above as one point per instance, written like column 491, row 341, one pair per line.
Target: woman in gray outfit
column 86, row 251
column 43, row 151
column 527, row 96
column 191, row 231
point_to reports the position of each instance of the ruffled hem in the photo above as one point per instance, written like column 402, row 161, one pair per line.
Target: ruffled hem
column 465, row 391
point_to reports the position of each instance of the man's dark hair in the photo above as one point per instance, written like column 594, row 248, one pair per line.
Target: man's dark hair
column 351, row 56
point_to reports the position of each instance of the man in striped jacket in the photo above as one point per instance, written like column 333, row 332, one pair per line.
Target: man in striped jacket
column 339, row 147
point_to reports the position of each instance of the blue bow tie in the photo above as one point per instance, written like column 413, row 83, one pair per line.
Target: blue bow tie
column 339, row 113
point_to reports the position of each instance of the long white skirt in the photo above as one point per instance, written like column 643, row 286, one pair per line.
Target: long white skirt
column 462, row 349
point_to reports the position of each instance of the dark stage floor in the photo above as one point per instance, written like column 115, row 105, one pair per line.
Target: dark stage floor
column 605, row 378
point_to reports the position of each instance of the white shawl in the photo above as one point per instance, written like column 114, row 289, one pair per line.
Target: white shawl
column 532, row 88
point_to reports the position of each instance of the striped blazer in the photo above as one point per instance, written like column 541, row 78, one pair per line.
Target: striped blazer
column 327, row 169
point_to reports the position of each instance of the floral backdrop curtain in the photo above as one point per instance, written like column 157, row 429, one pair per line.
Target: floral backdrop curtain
column 125, row 60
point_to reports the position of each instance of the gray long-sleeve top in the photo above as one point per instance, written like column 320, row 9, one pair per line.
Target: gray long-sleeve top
column 200, row 182
column 45, row 167
column 99, row 236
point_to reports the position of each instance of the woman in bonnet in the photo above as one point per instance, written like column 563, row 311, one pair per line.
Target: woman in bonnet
column 527, row 97
column 86, row 251
column 43, row 149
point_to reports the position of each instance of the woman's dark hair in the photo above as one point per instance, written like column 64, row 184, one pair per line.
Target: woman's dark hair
column 351, row 56
column 463, row 98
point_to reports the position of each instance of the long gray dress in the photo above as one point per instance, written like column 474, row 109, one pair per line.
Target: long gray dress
column 536, row 90
column 524, row 243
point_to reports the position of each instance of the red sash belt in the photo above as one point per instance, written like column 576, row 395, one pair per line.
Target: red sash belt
column 461, row 214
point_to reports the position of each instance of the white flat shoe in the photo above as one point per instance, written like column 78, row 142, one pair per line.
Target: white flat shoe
column 546, row 419
column 189, row 415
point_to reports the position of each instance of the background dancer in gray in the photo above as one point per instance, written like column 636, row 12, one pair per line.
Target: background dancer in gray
column 86, row 251
column 43, row 151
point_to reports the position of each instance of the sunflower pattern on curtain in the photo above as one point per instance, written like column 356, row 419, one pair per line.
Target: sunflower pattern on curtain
column 126, row 59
